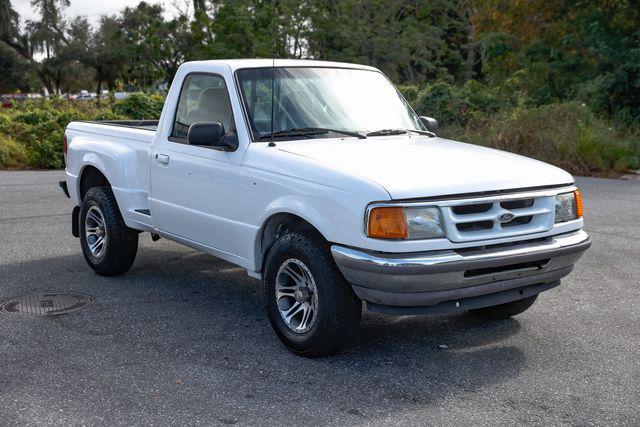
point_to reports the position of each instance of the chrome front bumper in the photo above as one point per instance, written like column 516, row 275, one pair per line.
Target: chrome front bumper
column 430, row 278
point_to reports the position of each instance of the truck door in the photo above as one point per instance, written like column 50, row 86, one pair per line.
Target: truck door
column 193, row 188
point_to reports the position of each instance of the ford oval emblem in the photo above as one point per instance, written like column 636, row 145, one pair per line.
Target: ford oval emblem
column 505, row 217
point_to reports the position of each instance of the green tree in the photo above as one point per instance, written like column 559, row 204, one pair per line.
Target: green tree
column 107, row 53
column 48, row 32
column 154, row 47
column 72, row 64
column 15, row 71
column 44, row 35
column 412, row 41
column 556, row 51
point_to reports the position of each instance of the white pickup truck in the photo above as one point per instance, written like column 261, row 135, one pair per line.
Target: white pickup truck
column 320, row 179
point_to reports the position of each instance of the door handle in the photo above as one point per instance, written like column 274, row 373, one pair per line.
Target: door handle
column 162, row 158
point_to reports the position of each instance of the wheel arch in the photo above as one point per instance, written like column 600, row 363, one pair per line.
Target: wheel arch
column 275, row 226
column 91, row 176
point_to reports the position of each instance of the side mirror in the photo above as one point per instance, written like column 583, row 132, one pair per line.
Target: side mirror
column 211, row 134
column 430, row 123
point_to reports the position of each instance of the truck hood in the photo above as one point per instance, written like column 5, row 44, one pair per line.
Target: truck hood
column 417, row 166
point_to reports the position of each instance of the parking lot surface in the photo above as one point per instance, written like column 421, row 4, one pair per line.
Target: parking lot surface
column 184, row 338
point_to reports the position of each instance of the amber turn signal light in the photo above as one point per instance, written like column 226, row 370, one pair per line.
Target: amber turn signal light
column 579, row 207
column 387, row 223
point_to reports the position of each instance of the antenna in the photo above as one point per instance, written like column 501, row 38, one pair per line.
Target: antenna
column 273, row 94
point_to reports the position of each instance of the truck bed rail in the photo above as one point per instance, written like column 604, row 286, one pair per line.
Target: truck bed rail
column 151, row 125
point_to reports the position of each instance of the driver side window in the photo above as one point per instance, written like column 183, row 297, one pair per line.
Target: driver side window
column 204, row 98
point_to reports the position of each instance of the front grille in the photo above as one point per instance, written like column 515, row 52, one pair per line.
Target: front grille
column 475, row 226
column 470, row 220
column 518, row 221
column 471, row 209
column 517, row 204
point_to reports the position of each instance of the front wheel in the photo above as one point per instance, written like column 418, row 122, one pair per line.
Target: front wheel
column 312, row 309
column 108, row 245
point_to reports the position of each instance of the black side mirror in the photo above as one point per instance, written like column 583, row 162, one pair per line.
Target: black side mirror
column 211, row 134
column 430, row 123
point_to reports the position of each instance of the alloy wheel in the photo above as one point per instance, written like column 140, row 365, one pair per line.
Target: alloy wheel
column 296, row 295
column 95, row 231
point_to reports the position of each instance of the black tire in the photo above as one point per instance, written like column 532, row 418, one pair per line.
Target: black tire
column 121, row 241
column 505, row 311
column 338, row 308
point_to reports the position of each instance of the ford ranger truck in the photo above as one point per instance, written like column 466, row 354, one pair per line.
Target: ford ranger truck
column 319, row 179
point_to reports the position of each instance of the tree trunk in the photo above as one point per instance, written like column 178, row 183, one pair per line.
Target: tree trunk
column 58, row 81
column 45, row 81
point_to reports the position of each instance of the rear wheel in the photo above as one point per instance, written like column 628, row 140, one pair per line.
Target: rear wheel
column 108, row 245
column 504, row 311
column 312, row 309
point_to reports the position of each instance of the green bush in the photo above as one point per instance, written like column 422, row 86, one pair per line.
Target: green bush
column 567, row 135
column 627, row 163
column 442, row 101
column 38, row 126
column 410, row 93
column 139, row 106
column 457, row 106
column 12, row 154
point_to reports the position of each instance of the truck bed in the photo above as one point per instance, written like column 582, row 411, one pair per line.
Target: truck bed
column 120, row 149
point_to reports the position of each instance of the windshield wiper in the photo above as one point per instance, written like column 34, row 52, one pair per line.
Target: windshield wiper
column 308, row 132
column 388, row 132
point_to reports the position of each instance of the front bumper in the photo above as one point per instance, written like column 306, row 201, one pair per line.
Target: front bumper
column 431, row 278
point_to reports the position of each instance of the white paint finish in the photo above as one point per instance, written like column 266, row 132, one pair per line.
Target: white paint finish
column 194, row 189
column 235, row 64
column 218, row 201
column 420, row 166
column 122, row 155
column 208, row 217
column 332, row 200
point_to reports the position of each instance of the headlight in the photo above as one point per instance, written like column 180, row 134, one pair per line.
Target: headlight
column 568, row 206
column 396, row 222
column 424, row 223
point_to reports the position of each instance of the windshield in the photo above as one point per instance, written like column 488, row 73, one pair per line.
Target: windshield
column 333, row 99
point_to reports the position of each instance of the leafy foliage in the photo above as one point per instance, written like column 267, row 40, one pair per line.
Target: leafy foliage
column 567, row 135
column 36, row 128
column 140, row 106
column 559, row 51
column 12, row 154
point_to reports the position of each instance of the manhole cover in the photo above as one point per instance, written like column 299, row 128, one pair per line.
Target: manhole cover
column 45, row 304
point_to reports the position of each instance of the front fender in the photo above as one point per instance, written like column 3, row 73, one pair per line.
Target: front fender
column 335, row 224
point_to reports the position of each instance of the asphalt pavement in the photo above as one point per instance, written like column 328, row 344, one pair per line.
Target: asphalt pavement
column 183, row 338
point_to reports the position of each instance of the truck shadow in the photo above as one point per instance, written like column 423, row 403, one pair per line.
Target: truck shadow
column 181, row 314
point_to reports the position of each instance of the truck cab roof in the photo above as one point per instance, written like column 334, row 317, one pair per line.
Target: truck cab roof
column 236, row 64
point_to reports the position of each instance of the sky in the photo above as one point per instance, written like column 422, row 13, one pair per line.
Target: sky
column 92, row 9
